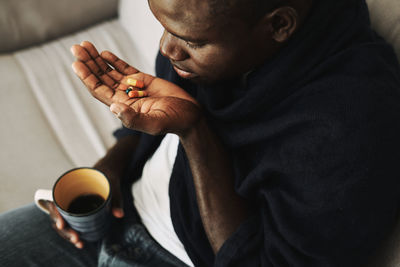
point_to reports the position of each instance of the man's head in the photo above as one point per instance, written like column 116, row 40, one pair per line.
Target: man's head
column 212, row 40
column 247, row 10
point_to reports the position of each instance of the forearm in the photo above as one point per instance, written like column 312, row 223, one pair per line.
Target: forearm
column 117, row 158
column 222, row 210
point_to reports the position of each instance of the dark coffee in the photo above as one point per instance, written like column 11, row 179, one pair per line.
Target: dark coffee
column 85, row 203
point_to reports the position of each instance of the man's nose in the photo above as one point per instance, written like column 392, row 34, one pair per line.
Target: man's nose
column 170, row 47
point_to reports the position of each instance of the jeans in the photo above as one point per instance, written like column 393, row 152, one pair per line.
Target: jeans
column 27, row 239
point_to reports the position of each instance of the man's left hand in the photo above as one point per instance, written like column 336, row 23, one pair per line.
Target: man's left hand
column 167, row 108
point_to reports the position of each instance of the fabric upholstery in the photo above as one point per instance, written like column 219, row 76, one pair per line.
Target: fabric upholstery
column 49, row 121
column 144, row 30
column 385, row 19
column 26, row 22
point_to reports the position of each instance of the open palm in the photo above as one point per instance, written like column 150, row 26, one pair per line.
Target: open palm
column 167, row 107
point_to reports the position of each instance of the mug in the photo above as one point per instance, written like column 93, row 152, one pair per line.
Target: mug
column 83, row 198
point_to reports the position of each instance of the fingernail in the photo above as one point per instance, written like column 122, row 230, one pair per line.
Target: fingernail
column 118, row 213
column 73, row 49
column 73, row 67
column 79, row 245
column 74, row 239
column 116, row 109
column 59, row 224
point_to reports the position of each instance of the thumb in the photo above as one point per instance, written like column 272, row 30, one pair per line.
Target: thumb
column 125, row 113
column 117, row 209
column 134, row 120
column 116, row 200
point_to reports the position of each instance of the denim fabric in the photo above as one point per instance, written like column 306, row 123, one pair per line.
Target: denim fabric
column 129, row 244
column 27, row 239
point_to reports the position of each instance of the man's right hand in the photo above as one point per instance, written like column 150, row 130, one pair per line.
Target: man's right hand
column 62, row 227
column 113, row 165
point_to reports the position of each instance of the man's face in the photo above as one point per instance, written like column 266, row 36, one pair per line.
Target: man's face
column 207, row 49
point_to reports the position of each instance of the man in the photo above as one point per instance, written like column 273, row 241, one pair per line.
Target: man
column 281, row 134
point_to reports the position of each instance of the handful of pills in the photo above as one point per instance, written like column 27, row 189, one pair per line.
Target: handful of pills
column 131, row 91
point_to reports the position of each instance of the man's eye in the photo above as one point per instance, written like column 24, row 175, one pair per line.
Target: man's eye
column 193, row 45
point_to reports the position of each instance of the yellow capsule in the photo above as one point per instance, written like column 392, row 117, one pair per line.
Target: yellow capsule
column 131, row 94
column 134, row 82
column 135, row 93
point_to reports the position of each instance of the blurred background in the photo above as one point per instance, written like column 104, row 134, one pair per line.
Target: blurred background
column 49, row 122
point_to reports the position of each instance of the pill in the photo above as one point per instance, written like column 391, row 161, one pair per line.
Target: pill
column 128, row 90
column 137, row 94
column 131, row 94
column 141, row 93
column 134, row 82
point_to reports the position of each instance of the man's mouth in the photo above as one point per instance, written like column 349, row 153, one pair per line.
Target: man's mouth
column 186, row 74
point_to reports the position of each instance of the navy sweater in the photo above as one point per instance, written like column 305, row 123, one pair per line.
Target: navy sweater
column 314, row 137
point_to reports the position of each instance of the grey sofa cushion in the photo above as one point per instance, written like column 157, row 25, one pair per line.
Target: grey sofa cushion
column 28, row 22
column 143, row 28
column 49, row 121
column 385, row 19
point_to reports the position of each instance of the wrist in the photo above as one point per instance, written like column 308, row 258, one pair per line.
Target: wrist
column 200, row 127
column 104, row 167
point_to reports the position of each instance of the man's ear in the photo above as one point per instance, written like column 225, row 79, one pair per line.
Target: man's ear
column 282, row 23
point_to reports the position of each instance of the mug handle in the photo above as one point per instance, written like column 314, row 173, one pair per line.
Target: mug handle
column 42, row 195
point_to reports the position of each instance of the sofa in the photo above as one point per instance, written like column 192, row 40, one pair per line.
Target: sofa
column 49, row 121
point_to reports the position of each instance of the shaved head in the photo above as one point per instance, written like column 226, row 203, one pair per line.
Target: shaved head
column 213, row 40
column 248, row 10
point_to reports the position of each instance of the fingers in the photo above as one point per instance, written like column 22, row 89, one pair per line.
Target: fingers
column 134, row 120
column 91, row 58
column 55, row 216
column 117, row 76
column 95, row 86
column 105, row 83
column 95, row 57
column 118, row 63
column 116, row 201
column 86, row 75
column 117, row 210
column 62, row 229
column 88, row 54
column 70, row 235
column 123, row 112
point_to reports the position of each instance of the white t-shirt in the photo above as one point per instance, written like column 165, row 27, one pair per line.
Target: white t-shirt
column 151, row 197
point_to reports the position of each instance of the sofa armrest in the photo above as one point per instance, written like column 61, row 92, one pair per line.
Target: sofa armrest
column 29, row 22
